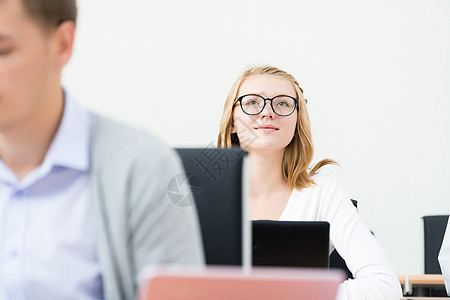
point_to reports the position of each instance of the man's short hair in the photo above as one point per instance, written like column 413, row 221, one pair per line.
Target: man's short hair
column 51, row 13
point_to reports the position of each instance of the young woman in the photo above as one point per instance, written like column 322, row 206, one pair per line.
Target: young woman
column 265, row 114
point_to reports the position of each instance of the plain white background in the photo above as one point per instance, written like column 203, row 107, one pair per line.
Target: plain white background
column 376, row 75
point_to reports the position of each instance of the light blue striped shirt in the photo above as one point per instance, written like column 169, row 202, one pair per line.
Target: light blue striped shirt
column 47, row 234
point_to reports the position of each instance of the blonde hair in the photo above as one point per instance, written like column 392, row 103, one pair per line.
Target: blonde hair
column 299, row 153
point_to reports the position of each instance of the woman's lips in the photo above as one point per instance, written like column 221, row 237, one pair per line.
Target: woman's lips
column 266, row 128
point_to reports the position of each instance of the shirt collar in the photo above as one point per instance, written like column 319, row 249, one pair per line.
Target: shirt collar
column 70, row 147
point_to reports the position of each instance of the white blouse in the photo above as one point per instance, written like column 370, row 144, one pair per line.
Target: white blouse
column 326, row 201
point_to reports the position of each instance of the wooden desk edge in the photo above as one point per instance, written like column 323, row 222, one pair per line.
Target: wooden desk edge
column 426, row 279
column 424, row 298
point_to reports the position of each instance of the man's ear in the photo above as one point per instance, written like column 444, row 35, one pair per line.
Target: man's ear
column 63, row 39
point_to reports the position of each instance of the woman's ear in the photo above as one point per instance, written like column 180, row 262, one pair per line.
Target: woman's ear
column 233, row 129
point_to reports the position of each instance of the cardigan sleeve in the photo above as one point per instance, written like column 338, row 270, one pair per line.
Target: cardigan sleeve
column 374, row 276
column 163, row 231
column 137, row 223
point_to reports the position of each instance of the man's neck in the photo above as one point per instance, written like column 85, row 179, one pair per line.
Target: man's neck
column 23, row 146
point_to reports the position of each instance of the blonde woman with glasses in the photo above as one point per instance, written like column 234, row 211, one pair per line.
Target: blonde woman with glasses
column 265, row 114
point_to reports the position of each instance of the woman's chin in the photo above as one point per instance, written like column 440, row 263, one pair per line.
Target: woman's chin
column 263, row 147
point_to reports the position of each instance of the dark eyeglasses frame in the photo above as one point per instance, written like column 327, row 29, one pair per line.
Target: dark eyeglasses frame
column 265, row 100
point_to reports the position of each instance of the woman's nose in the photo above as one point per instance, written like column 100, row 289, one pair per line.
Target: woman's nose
column 267, row 111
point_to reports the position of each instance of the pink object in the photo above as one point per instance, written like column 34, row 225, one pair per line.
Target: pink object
column 231, row 283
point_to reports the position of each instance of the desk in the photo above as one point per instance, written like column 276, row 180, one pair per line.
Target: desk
column 426, row 279
column 424, row 298
column 423, row 285
column 422, row 279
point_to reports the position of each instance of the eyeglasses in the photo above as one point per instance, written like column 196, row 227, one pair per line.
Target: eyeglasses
column 252, row 104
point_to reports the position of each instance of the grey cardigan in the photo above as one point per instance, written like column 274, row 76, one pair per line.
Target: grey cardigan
column 136, row 222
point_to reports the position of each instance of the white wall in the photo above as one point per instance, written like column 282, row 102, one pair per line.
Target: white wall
column 376, row 74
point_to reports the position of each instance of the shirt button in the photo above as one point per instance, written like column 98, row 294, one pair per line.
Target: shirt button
column 13, row 253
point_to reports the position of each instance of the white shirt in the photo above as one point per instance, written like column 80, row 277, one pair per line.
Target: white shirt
column 47, row 239
column 374, row 276
column 444, row 258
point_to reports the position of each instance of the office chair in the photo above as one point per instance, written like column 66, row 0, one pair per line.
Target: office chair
column 434, row 229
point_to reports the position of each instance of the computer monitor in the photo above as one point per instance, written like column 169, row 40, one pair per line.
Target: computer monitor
column 216, row 181
column 291, row 244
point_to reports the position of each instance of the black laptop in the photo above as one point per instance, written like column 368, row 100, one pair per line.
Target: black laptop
column 290, row 244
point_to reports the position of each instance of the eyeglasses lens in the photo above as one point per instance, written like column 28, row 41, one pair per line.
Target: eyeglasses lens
column 253, row 105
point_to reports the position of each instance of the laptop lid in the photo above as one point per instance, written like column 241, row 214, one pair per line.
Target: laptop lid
column 233, row 283
column 290, row 244
column 216, row 181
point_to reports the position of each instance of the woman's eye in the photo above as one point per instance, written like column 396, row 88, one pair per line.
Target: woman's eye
column 252, row 102
column 285, row 104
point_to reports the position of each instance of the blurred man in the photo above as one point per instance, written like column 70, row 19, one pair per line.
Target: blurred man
column 83, row 199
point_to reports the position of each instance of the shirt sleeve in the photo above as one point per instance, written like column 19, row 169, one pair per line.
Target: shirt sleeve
column 374, row 276
column 444, row 258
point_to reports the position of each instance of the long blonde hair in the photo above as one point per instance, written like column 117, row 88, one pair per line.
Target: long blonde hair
column 299, row 153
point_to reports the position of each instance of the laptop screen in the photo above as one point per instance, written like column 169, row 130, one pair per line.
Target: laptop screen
column 290, row 244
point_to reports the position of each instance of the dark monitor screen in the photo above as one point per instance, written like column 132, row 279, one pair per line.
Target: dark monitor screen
column 215, row 178
column 290, row 244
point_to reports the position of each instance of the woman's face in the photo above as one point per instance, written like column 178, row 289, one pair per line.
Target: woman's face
column 267, row 130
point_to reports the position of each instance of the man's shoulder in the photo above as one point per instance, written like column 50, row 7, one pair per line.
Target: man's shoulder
column 119, row 134
column 116, row 140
